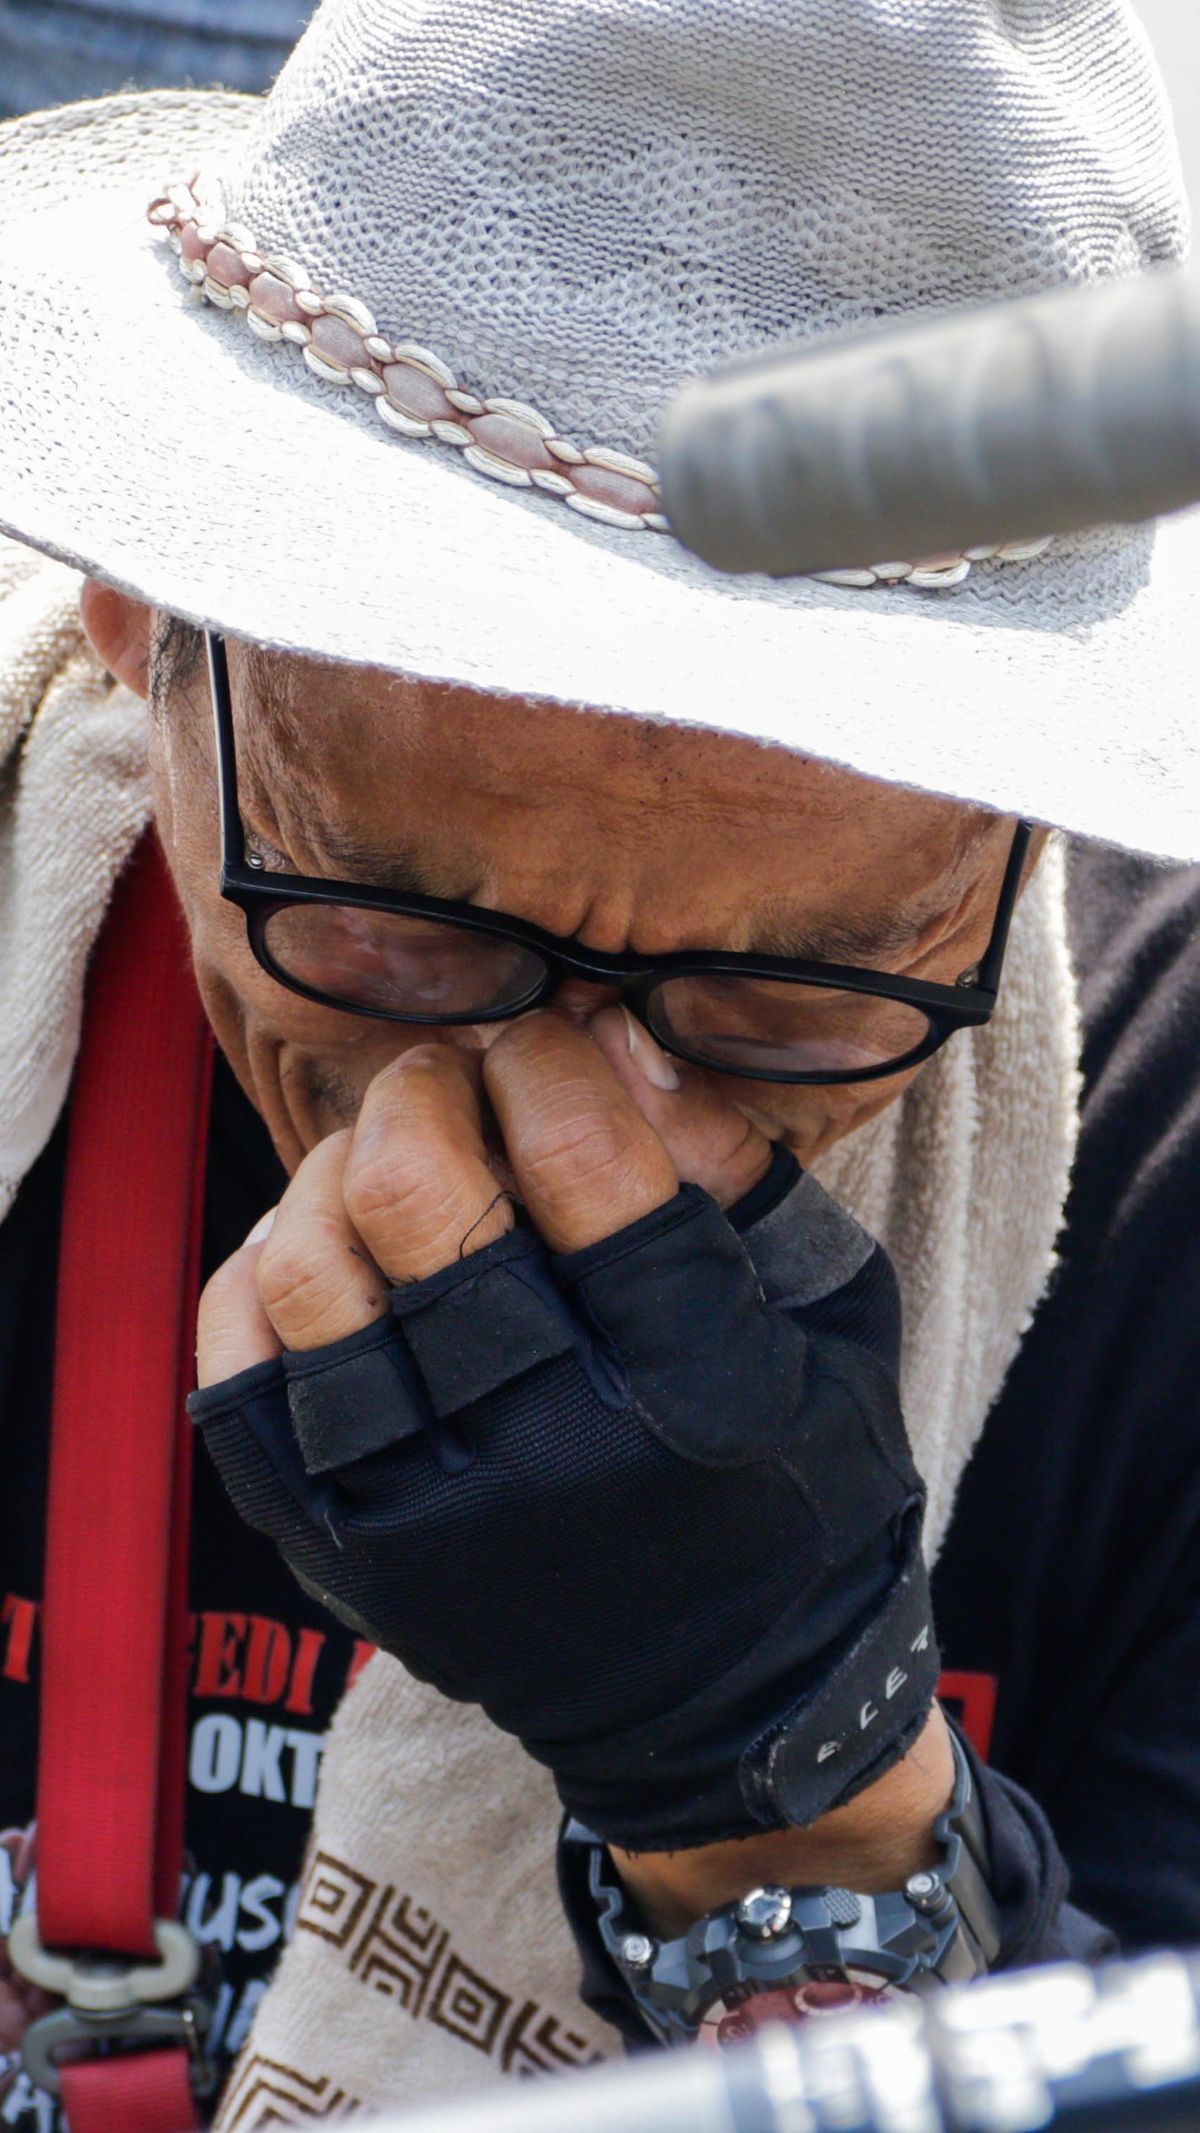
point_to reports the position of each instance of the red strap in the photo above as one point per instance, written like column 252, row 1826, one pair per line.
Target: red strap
column 143, row 2092
column 110, row 1786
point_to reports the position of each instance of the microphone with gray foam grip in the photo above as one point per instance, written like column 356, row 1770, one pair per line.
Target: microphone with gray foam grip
column 1043, row 415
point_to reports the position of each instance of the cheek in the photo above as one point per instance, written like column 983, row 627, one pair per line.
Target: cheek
column 812, row 1119
column 305, row 1068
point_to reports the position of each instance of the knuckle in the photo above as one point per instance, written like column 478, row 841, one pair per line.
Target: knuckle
column 585, row 1158
column 414, row 1157
column 396, row 1209
column 377, row 1185
column 400, row 1207
column 568, row 1137
column 294, row 1272
column 585, row 1150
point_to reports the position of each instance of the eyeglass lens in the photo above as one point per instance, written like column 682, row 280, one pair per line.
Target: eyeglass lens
column 767, row 1025
column 426, row 969
column 430, row 970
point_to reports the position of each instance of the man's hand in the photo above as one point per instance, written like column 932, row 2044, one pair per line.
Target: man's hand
column 590, row 1141
column 633, row 1481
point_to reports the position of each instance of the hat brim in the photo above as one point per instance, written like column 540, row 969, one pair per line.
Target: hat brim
column 152, row 441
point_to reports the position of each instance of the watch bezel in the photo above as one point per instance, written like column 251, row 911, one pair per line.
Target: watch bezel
column 718, row 1964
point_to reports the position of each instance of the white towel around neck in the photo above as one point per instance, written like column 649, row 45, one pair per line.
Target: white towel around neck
column 73, row 801
column 430, row 1953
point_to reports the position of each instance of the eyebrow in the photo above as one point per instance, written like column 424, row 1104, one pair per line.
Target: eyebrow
column 859, row 941
column 400, row 869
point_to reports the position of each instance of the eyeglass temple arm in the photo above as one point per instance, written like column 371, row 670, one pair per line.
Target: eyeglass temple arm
column 988, row 975
column 233, row 840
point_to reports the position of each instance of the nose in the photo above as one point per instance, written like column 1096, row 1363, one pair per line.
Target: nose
column 576, row 998
column 580, row 999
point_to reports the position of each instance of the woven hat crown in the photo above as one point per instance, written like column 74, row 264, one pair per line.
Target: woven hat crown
column 504, row 230
column 582, row 202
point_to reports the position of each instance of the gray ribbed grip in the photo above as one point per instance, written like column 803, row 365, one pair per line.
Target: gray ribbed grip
column 1039, row 416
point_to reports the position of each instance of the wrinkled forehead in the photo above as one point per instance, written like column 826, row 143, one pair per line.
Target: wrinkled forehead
column 332, row 729
column 300, row 716
column 571, row 815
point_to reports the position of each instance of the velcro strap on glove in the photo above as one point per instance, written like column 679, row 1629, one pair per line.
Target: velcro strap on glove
column 484, row 1321
column 869, row 1707
column 477, row 1325
column 353, row 1397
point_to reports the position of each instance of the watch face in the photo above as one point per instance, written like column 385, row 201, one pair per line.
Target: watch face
column 733, row 2020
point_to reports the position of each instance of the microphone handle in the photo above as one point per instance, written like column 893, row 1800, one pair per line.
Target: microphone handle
column 1043, row 415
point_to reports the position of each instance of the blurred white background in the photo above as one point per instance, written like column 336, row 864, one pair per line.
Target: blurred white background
column 1174, row 25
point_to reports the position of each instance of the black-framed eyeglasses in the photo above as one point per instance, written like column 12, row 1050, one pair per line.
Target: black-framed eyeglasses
column 427, row 961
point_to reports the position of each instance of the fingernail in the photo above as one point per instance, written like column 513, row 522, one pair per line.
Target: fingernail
column 262, row 1227
column 647, row 1057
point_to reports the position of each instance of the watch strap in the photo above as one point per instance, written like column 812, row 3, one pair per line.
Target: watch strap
column 966, row 1865
column 941, row 1928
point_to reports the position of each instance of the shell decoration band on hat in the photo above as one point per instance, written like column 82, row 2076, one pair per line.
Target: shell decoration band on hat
column 417, row 395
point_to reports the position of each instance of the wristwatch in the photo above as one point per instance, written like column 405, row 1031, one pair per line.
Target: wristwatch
column 784, row 1954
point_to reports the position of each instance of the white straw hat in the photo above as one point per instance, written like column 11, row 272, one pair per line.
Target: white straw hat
column 456, row 265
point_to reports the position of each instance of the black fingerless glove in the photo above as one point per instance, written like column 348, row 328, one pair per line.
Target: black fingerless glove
column 652, row 1505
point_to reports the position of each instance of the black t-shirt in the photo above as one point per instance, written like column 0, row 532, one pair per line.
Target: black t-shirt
column 1071, row 1574
column 1067, row 1595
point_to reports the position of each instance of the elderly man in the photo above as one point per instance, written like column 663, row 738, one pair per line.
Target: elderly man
column 604, row 1048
